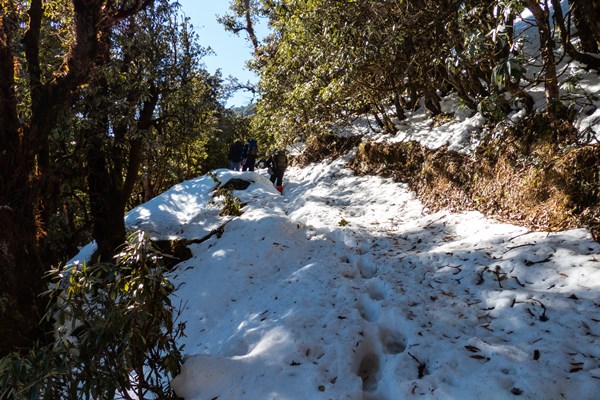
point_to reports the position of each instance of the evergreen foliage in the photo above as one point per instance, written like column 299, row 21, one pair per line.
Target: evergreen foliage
column 328, row 61
column 115, row 333
column 223, row 196
column 103, row 105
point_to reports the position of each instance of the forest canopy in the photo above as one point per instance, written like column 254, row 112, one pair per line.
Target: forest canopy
column 326, row 62
column 103, row 105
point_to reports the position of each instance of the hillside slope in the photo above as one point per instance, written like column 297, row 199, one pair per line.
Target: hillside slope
column 348, row 288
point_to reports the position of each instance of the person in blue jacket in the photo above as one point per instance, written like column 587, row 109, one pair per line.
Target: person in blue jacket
column 249, row 154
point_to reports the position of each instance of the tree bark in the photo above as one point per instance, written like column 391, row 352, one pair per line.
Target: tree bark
column 551, row 89
column 250, row 25
column 43, row 118
column 106, row 203
column 9, row 138
column 583, row 58
column 110, row 186
column 25, row 190
column 587, row 21
column 21, row 271
column 398, row 107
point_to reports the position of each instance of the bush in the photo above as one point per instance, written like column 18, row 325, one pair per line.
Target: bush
column 116, row 334
column 223, row 196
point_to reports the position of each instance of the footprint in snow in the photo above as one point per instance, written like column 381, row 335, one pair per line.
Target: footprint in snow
column 368, row 371
column 369, row 310
column 393, row 341
column 366, row 267
column 376, row 289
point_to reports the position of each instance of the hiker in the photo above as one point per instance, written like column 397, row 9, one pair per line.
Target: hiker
column 277, row 164
column 235, row 156
column 250, row 152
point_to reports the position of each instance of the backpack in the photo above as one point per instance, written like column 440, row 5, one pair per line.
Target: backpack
column 280, row 160
column 252, row 148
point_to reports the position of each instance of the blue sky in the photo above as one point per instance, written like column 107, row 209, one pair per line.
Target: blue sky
column 231, row 51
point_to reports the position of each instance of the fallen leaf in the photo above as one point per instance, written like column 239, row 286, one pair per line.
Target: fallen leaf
column 479, row 357
column 472, row 349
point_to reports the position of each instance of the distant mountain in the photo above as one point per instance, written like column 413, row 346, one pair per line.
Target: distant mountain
column 246, row 110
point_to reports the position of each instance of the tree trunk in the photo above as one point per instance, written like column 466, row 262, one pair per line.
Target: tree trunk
column 551, row 89
column 108, row 193
column 583, row 58
column 25, row 192
column 113, row 167
column 21, row 270
column 106, row 203
column 398, row 107
column 587, row 21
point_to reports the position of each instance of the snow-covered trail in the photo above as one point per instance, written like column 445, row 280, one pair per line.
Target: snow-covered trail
column 346, row 288
column 444, row 281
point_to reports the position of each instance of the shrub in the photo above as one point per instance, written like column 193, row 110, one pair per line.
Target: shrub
column 223, row 194
column 116, row 334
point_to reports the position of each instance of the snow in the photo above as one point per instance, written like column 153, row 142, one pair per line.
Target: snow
column 461, row 132
column 457, row 132
column 346, row 287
